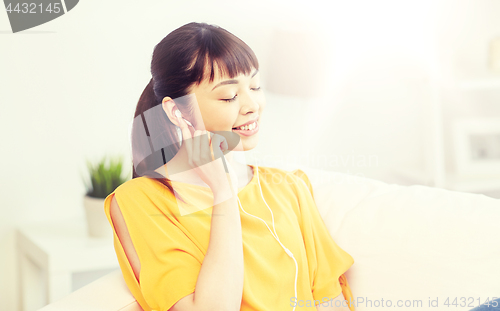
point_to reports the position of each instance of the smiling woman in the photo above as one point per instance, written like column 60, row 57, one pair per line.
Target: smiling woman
column 207, row 81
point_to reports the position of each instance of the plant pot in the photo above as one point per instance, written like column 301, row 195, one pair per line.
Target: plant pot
column 97, row 222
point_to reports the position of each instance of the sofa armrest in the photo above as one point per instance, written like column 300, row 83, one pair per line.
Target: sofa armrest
column 108, row 293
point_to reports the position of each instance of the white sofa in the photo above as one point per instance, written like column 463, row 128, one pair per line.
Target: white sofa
column 409, row 244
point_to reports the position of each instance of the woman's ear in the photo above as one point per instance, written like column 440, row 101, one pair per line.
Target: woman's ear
column 169, row 107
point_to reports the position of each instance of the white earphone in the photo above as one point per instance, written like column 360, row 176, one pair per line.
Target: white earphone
column 179, row 115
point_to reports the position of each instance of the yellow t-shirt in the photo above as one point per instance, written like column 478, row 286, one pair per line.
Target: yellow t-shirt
column 171, row 247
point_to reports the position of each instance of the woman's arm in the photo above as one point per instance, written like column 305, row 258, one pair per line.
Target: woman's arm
column 336, row 304
column 219, row 286
column 220, row 282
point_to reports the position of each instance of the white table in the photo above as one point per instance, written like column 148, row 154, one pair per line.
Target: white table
column 50, row 253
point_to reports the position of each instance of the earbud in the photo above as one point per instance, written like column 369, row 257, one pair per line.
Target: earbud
column 179, row 115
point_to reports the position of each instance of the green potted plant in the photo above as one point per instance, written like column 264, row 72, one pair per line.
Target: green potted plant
column 105, row 177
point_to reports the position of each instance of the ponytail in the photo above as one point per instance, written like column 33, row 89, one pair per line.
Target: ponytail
column 154, row 138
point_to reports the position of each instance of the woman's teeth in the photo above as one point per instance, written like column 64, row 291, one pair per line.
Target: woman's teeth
column 247, row 127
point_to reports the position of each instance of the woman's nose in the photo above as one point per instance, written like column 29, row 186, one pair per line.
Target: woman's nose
column 250, row 102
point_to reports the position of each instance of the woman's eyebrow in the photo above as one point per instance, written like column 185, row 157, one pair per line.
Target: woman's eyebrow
column 233, row 81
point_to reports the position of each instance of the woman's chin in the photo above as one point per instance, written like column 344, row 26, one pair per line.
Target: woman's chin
column 239, row 142
column 247, row 143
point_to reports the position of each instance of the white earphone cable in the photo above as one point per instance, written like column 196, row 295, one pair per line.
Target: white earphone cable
column 275, row 235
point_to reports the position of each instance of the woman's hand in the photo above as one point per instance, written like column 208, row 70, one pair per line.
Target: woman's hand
column 205, row 156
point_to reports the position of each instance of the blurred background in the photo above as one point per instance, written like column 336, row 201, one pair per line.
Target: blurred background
column 405, row 92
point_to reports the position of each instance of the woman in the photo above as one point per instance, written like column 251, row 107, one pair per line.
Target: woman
column 181, row 240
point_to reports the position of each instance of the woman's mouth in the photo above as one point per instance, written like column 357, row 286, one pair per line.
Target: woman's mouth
column 247, row 130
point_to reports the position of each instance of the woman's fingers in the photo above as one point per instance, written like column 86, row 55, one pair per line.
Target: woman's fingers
column 214, row 150
column 186, row 133
column 223, row 144
column 186, row 136
column 182, row 123
column 219, row 144
column 196, row 155
column 205, row 147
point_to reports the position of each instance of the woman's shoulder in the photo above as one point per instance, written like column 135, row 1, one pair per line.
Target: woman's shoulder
column 140, row 184
column 140, row 195
column 141, row 189
column 131, row 186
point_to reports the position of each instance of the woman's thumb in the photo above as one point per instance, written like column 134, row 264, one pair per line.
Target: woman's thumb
column 223, row 144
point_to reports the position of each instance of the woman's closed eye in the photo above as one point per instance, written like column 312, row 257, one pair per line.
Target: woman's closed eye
column 234, row 98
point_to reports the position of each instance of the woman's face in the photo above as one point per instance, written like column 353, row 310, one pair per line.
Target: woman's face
column 227, row 103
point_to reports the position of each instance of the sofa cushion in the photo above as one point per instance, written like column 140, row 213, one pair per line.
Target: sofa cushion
column 412, row 242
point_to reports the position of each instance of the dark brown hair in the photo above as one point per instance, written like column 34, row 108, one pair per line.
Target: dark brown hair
column 178, row 63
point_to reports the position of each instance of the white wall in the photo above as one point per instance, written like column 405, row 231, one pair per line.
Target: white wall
column 69, row 88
